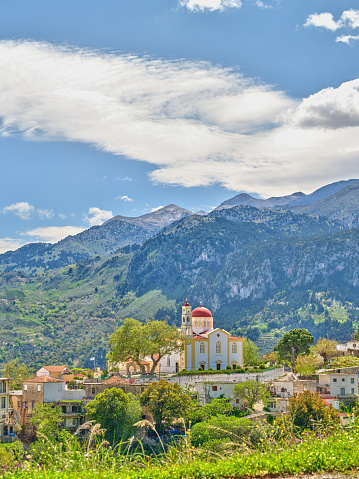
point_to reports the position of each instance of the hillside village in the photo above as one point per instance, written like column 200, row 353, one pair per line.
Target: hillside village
column 208, row 367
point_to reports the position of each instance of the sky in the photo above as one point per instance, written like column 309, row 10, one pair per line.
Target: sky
column 120, row 107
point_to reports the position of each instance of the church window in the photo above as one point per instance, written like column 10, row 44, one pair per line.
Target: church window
column 234, row 347
column 218, row 347
column 202, row 348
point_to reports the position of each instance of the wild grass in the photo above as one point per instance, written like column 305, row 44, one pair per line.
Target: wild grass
column 280, row 450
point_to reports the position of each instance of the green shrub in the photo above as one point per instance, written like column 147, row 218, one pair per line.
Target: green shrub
column 225, row 428
column 262, row 366
column 229, row 367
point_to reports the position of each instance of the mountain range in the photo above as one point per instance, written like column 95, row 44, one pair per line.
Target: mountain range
column 339, row 202
column 261, row 268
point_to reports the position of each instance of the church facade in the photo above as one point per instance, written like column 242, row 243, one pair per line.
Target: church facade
column 208, row 347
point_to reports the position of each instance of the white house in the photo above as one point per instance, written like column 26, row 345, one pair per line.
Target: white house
column 208, row 347
column 339, row 384
column 208, row 390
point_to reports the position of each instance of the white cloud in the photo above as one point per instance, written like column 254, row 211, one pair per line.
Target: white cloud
column 126, row 178
column 124, row 198
column 45, row 214
column 96, row 216
column 156, row 209
column 348, row 20
column 22, row 209
column 62, row 216
column 331, row 108
column 211, row 5
column 198, row 124
column 324, row 20
column 348, row 39
column 10, row 244
column 53, row 234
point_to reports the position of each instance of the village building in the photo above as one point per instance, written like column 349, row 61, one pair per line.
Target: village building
column 338, row 384
column 91, row 389
column 6, row 428
column 207, row 347
column 53, row 371
column 41, row 390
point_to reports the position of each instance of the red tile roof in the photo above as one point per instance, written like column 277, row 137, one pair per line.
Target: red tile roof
column 42, row 379
column 115, row 380
column 56, row 369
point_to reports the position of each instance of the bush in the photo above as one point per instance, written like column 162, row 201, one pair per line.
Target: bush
column 11, row 453
column 309, row 408
column 229, row 368
column 262, row 366
column 224, row 429
column 217, row 407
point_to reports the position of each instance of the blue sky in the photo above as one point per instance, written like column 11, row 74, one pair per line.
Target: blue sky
column 120, row 107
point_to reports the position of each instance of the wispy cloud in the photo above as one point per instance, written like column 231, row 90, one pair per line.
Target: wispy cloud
column 348, row 39
column 45, row 214
column 52, row 234
column 210, row 5
column 349, row 20
column 156, row 209
column 96, row 216
column 126, row 178
column 124, row 198
column 10, row 244
column 198, row 124
column 22, row 209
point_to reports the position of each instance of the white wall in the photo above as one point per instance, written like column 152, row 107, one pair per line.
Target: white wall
column 58, row 392
column 343, row 384
column 190, row 381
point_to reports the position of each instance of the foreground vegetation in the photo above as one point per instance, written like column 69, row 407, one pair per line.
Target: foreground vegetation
column 312, row 452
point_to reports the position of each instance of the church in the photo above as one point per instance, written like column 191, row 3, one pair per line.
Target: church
column 208, row 347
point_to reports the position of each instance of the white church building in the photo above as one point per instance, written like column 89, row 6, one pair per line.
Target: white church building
column 207, row 347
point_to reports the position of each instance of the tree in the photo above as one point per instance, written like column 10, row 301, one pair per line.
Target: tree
column 134, row 341
column 307, row 365
column 217, row 407
column 250, row 353
column 251, row 392
column 166, row 402
column 293, row 343
column 16, row 371
column 116, row 412
column 272, row 358
column 308, row 408
column 327, row 348
column 46, row 418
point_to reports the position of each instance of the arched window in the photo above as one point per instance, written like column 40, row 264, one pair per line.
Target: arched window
column 202, row 348
column 218, row 347
column 234, row 347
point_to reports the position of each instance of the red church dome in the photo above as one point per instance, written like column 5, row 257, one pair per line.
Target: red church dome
column 186, row 304
column 201, row 312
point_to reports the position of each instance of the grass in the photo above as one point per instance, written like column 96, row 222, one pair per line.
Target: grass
column 338, row 452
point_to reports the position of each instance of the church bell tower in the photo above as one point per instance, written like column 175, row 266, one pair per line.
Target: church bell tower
column 186, row 324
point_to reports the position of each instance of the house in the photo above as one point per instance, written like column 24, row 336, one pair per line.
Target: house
column 5, row 426
column 53, row 371
column 91, row 389
column 73, row 414
column 288, row 388
column 208, row 390
column 44, row 389
column 207, row 347
column 278, row 405
column 338, row 384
